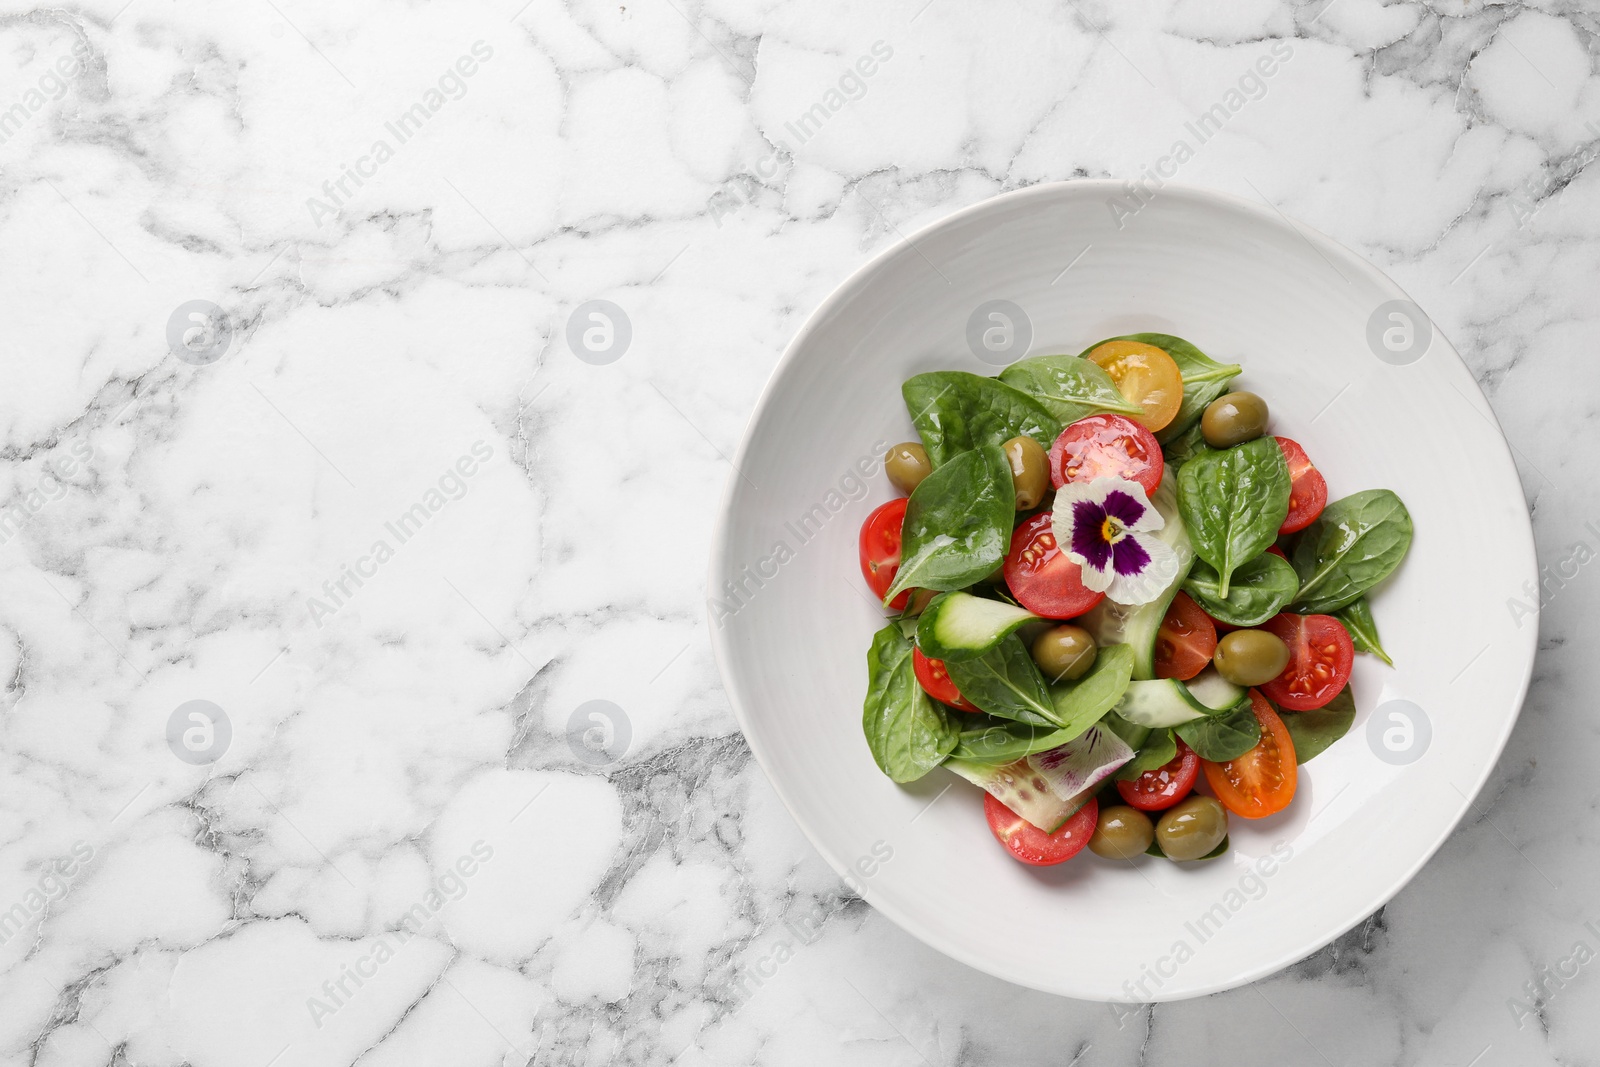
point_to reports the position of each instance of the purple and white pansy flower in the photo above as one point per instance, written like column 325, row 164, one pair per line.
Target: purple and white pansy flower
column 1108, row 526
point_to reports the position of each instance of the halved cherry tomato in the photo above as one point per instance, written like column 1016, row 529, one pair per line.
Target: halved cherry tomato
column 1308, row 489
column 880, row 550
column 1262, row 781
column 1106, row 446
column 1146, row 376
column 1041, row 576
column 1186, row 641
column 1031, row 845
column 935, row 680
column 1320, row 657
column 1276, row 551
column 1159, row 789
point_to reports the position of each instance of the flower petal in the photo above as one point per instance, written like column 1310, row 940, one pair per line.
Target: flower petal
column 1121, row 505
column 1097, row 579
column 1129, row 557
column 1147, row 521
column 1088, row 545
column 1155, row 578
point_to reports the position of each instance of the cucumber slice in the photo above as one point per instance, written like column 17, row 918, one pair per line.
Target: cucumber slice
column 1136, row 625
column 1162, row 702
column 1215, row 691
column 1022, row 789
column 960, row 626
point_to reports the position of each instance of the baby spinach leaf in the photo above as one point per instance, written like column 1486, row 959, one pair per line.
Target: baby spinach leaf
column 1357, row 619
column 1131, row 733
column 956, row 412
column 1068, row 387
column 1082, row 703
column 908, row 731
column 1313, row 731
column 958, row 523
column 1184, row 447
column 1204, row 379
column 1232, row 502
column 1004, row 682
column 1158, row 750
column 1223, row 737
column 1355, row 543
column 1260, row 589
column 1000, row 741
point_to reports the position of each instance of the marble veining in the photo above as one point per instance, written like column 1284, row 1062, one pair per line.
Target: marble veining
column 308, row 414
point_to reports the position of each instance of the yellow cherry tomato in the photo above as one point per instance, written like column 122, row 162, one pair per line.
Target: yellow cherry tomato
column 1145, row 375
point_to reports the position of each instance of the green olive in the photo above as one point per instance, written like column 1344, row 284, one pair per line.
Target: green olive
column 1122, row 833
column 907, row 464
column 1251, row 657
column 1030, row 470
column 1191, row 828
column 1064, row 652
column 1233, row 419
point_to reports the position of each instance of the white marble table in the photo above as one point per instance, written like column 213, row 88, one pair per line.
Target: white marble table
column 382, row 517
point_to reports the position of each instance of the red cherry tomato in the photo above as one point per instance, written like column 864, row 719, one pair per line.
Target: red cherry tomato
column 935, row 680
column 1276, row 551
column 1263, row 780
column 1308, row 489
column 1320, row 658
column 1159, row 789
column 1186, row 641
column 880, row 550
column 1031, row 845
column 1041, row 576
column 1106, row 446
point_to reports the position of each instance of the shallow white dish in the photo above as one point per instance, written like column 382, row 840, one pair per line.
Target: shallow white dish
column 1246, row 286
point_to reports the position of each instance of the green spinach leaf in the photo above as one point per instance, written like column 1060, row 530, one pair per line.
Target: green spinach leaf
column 1081, row 703
column 1223, row 737
column 956, row 412
column 1068, row 387
column 997, row 742
column 1260, row 589
column 1313, row 731
column 958, row 523
column 1158, row 750
column 1363, row 629
column 1204, row 379
column 908, row 731
column 1004, row 682
column 1355, row 543
column 1132, row 734
column 1184, row 447
column 1233, row 502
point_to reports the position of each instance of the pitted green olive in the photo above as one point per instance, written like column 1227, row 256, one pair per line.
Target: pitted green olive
column 1251, row 657
column 1064, row 653
column 1191, row 828
column 1122, row 833
column 907, row 464
column 1030, row 470
column 1233, row 419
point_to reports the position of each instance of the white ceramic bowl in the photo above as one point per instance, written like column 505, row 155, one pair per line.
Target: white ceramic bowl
column 1247, row 286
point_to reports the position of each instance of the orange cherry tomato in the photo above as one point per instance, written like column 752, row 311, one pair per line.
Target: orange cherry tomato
column 1145, row 375
column 1262, row 781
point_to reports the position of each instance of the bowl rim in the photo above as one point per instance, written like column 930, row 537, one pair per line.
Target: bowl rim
column 718, row 561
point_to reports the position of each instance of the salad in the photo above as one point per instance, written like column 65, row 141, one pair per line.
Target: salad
column 1113, row 583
